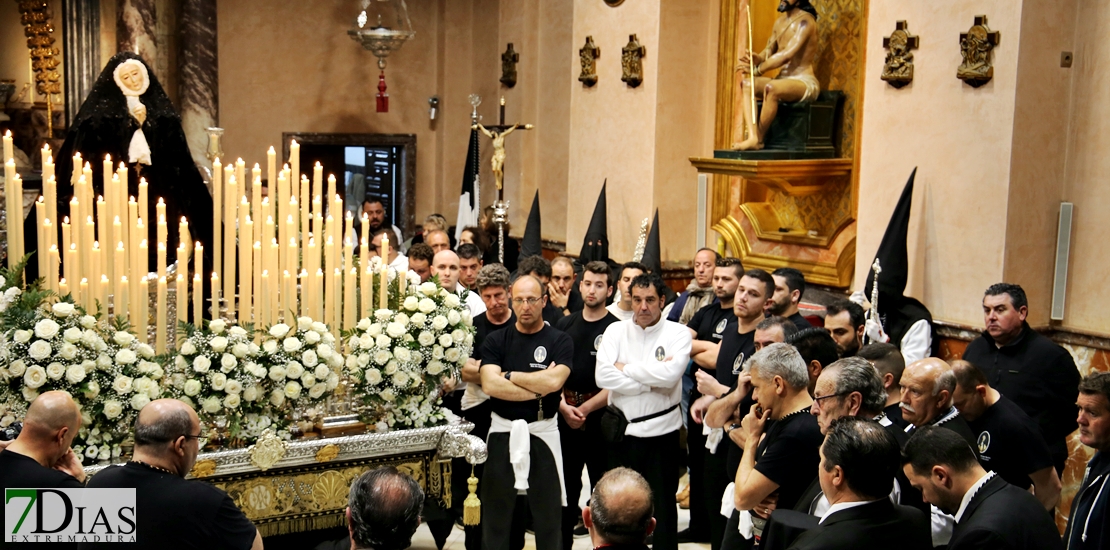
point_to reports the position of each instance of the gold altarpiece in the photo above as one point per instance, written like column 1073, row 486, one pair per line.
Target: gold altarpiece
column 815, row 199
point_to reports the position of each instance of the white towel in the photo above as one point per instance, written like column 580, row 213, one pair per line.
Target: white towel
column 520, row 447
column 728, row 504
column 713, row 437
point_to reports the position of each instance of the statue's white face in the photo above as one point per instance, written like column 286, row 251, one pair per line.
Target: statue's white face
column 132, row 77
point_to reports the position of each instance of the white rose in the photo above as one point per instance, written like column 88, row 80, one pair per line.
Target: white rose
column 312, row 337
column 290, row 345
column 34, row 378
column 219, row 344
column 395, row 330
column 188, row 348
column 29, row 394
column 453, row 317
column 139, row 400
column 437, row 352
column 388, row 395
column 293, row 390
column 201, row 364
column 62, row 309
column 123, row 338
column 429, row 288
column 308, row 380
column 401, row 318
column 390, row 368
column 304, row 323
column 277, row 373
column 180, row 362
column 410, row 303
column 211, row 405
column 90, row 338
column 39, row 350
column 217, row 326
column 112, row 409
column 452, row 300
column 105, row 453
column 251, row 394
column 435, row 367
column 89, row 366
column 445, row 340
column 92, row 389
column 218, row 381
column 309, row 358
column 88, row 321
column 427, row 305
column 126, row 356
column 253, row 348
column 192, row 387
column 374, row 330
column 240, row 350
column 439, row 322
column 232, row 401
column 228, row 361
column 363, row 359
column 279, row 330
column 452, row 355
column 363, row 324
column 321, row 372
column 103, row 362
column 418, row 319
column 56, row 371
column 373, row 376
column 233, row 386
column 122, row 384
column 382, row 314
column 46, row 328
column 332, row 381
column 237, row 331
column 75, row 374
column 324, row 351
column 294, row 370
column 319, row 327
column 22, row 336
column 188, row 402
column 277, row 398
column 402, row 354
column 315, row 392
column 381, row 357
column 67, row 351
column 146, row 351
column 335, row 361
column 400, row 379
column 351, row 361
column 270, row 347
column 72, row 334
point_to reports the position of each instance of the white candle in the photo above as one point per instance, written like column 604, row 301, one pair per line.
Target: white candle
column 160, row 318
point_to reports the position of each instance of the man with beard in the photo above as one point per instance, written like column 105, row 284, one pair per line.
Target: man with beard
column 560, row 291
column 580, row 409
column 699, row 293
column 790, row 285
column 792, row 50
column 376, row 216
column 1036, row 373
column 989, row 512
column 844, row 321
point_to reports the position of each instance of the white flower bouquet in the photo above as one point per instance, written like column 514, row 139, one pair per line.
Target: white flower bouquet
column 218, row 373
column 398, row 360
column 302, row 365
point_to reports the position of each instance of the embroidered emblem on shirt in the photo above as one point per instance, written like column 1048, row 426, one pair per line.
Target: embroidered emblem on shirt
column 738, row 364
column 597, row 342
column 721, row 326
column 984, row 442
column 540, row 354
column 660, row 353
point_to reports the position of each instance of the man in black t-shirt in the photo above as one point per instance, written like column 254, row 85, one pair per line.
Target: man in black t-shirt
column 790, row 285
column 779, row 466
column 708, row 326
column 174, row 513
column 540, row 268
column 523, row 370
column 41, row 458
column 1009, row 442
column 580, row 410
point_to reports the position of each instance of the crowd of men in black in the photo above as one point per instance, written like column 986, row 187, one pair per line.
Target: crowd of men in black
column 793, row 436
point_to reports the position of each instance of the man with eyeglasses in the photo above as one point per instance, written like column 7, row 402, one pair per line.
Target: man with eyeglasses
column 523, row 370
column 641, row 362
column 173, row 513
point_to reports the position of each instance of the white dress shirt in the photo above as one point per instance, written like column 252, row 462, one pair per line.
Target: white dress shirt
column 620, row 313
column 844, row 506
column 654, row 360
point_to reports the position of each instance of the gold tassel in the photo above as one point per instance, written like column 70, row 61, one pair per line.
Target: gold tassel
column 472, row 507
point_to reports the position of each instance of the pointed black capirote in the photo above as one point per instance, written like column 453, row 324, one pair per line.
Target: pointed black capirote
column 595, row 246
column 652, row 254
column 892, row 255
column 531, row 245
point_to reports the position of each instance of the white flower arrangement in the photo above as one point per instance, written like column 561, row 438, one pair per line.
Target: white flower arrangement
column 302, row 364
column 399, row 360
column 218, row 373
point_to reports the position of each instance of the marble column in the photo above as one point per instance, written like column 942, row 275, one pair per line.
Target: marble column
column 198, row 84
column 81, row 39
column 136, row 29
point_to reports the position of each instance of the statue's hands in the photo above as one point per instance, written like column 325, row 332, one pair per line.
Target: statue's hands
column 747, row 61
column 139, row 113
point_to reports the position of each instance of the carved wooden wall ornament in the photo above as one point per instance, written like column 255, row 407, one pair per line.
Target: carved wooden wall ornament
column 632, row 62
column 976, row 46
column 588, row 55
column 509, row 60
column 898, row 67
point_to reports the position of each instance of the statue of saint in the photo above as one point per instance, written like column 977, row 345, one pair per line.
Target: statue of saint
column 791, row 49
column 588, row 55
column 498, row 159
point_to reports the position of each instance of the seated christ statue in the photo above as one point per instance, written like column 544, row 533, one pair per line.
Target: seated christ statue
column 791, row 49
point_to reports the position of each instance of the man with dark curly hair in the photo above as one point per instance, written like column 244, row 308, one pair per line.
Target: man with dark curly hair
column 383, row 510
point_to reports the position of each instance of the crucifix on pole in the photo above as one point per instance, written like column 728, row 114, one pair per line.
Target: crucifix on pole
column 498, row 133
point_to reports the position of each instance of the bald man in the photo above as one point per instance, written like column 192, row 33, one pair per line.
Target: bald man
column 927, row 387
column 445, row 265
column 41, row 456
column 620, row 511
column 167, row 440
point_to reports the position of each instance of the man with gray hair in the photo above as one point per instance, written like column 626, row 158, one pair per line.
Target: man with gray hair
column 778, row 465
column 927, row 388
column 167, row 439
column 619, row 516
column 383, row 510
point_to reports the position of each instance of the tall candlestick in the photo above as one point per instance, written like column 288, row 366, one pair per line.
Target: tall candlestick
column 108, row 170
column 103, row 222
column 385, row 250
column 271, row 169
column 198, row 259
column 317, row 183
column 52, row 261
column 291, row 303
column 402, row 282
column 94, row 264
column 217, row 218
column 63, row 288
column 75, row 238
column 198, row 302
column 241, row 176
column 185, row 241
column 292, row 261
column 50, row 191
column 278, row 292
column 383, row 287
column 143, row 309
column 84, row 292
column 295, row 164
column 133, row 242
column 282, row 214
column 332, row 193
column 102, row 296
column 160, row 318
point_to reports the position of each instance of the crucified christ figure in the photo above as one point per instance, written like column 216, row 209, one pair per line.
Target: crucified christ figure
column 791, row 49
column 497, row 134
